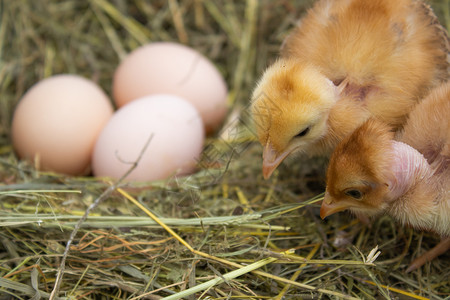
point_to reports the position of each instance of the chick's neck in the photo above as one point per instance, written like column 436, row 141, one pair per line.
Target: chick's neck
column 409, row 168
column 412, row 194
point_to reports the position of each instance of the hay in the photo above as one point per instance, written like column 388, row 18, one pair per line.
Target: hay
column 224, row 230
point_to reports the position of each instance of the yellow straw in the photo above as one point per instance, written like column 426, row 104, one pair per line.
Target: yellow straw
column 397, row 290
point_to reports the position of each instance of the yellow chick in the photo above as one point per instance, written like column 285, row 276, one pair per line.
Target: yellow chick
column 346, row 61
column 408, row 177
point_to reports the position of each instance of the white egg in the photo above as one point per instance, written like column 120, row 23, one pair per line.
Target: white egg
column 176, row 131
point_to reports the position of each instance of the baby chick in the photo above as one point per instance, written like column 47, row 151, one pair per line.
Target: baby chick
column 347, row 60
column 407, row 177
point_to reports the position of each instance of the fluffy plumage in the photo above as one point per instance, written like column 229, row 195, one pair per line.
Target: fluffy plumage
column 346, row 61
column 405, row 176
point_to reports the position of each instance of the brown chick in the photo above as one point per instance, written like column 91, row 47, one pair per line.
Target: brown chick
column 407, row 177
column 347, row 60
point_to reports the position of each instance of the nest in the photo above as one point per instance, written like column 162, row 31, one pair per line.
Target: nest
column 221, row 233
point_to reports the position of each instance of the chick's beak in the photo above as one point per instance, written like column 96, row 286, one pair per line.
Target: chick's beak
column 329, row 207
column 272, row 159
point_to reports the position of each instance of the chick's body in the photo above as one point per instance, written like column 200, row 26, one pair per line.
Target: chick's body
column 406, row 176
column 375, row 58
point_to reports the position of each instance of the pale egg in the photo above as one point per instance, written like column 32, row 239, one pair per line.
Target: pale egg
column 56, row 123
column 173, row 129
column 171, row 68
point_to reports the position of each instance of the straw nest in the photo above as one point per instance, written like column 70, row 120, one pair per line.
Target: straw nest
column 221, row 233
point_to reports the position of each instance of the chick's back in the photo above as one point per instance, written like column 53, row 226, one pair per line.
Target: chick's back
column 428, row 130
column 394, row 51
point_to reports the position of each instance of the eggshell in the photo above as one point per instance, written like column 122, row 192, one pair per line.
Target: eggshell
column 176, row 131
column 171, row 68
column 56, row 123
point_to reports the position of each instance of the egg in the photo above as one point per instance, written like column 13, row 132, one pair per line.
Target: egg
column 57, row 121
column 170, row 68
column 173, row 129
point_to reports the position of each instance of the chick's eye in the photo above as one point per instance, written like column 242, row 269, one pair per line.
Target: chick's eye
column 303, row 132
column 354, row 194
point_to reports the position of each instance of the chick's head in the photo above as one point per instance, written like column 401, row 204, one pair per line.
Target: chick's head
column 359, row 172
column 290, row 108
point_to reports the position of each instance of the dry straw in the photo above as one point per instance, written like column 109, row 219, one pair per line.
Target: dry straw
column 221, row 233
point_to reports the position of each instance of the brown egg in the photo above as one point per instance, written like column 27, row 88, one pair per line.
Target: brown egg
column 56, row 123
column 170, row 68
